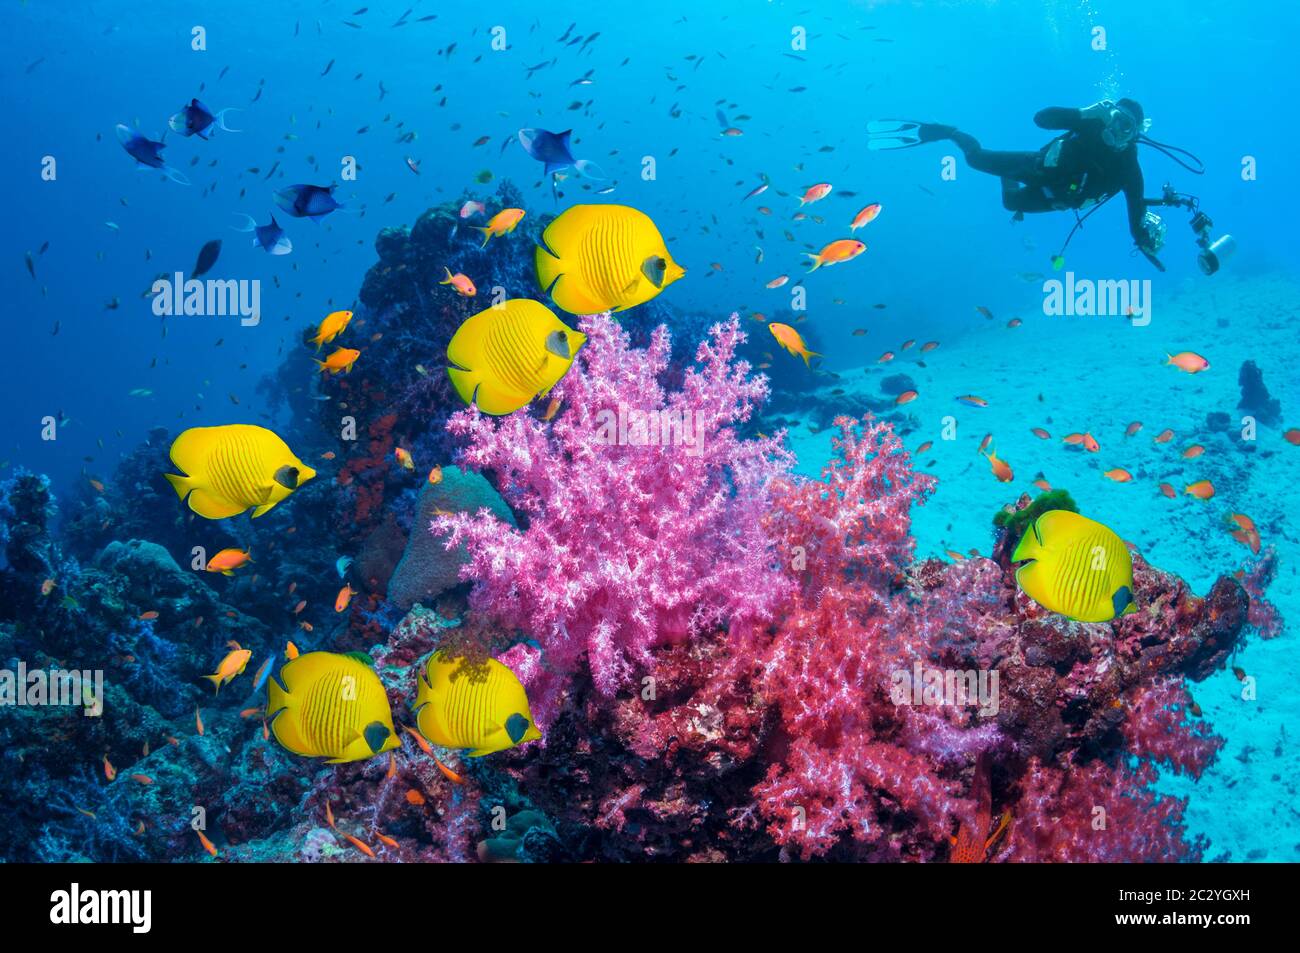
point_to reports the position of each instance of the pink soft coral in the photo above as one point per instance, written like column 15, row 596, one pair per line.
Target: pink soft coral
column 637, row 534
column 853, row 761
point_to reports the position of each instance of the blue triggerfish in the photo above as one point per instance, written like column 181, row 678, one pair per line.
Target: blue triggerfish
column 197, row 120
column 147, row 152
column 551, row 148
column 307, row 201
column 271, row 238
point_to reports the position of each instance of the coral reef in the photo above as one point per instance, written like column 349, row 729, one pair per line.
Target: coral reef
column 644, row 508
column 730, row 662
column 427, row 569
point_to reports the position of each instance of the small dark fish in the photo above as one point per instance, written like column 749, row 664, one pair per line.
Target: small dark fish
column 551, row 148
column 270, row 238
column 35, row 63
column 31, row 266
column 207, row 258
column 197, row 120
column 147, row 152
column 307, row 201
column 328, row 66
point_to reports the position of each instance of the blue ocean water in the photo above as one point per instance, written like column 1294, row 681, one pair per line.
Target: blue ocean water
column 322, row 87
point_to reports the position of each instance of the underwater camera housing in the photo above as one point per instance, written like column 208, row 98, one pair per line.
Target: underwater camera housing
column 1214, row 251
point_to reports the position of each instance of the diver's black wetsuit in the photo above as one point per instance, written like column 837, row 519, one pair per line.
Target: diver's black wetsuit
column 1073, row 170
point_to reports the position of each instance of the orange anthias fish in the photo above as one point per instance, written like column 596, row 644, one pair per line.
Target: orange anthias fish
column 210, row 847
column 1194, row 451
column 419, row 738
column 885, row 358
column 970, row 845
column 1168, row 490
column 502, row 223
column 1133, row 428
column 552, row 409
column 1188, row 361
column 1246, row 533
column 1119, row 475
column 924, row 447
column 110, row 772
column 840, row 250
column 233, row 664
column 1292, row 437
column 789, row 339
column 1201, row 489
column 866, row 216
column 1000, row 468
column 331, row 327
column 1040, row 433
column 460, row 282
column 227, row 561
column 198, row 721
column 906, row 397
column 358, row 844
column 778, row 281
column 448, row 773
column 1163, row 436
column 290, row 651
column 404, row 458
column 816, row 193
column 435, row 475
column 340, row 361
column 343, row 598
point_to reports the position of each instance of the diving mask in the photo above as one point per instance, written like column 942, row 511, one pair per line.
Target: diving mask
column 1122, row 128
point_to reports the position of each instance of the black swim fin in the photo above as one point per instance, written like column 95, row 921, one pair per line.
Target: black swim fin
column 884, row 134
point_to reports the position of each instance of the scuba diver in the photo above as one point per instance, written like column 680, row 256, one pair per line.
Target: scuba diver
column 1091, row 162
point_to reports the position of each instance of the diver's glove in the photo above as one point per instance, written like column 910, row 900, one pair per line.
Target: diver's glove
column 1099, row 110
